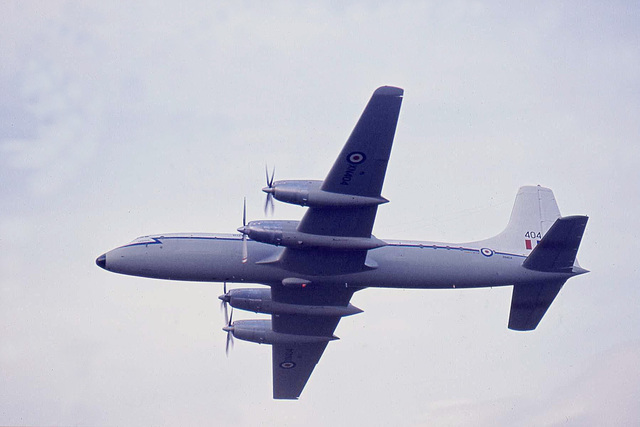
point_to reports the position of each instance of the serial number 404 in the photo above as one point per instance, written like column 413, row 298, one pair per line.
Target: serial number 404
column 533, row 235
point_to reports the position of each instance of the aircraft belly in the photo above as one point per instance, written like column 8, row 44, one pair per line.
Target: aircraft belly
column 425, row 267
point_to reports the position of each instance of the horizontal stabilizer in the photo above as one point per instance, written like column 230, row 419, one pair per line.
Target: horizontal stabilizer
column 558, row 248
column 530, row 302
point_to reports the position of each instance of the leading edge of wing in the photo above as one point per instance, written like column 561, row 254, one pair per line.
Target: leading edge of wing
column 362, row 163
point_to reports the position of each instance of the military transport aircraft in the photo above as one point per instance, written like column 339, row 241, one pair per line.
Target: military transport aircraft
column 312, row 267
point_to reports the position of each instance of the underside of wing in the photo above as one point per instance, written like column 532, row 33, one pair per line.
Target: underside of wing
column 359, row 169
column 358, row 173
column 362, row 163
column 292, row 367
column 351, row 193
column 322, row 262
column 294, row 362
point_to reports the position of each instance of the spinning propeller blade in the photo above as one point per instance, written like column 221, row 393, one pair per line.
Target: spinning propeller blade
column 229, row 330
column 245, row 254
column 268, row 203
column 224, row 299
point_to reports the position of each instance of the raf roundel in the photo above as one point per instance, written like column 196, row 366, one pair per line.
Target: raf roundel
column 486, row 252
column 356, row 158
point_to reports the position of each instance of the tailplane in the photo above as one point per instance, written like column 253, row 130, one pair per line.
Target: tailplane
column 556, row 253
column 557, row 250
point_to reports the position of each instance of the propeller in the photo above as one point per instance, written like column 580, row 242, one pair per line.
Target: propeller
column 269, row 189
column 245, row 253
column 229, row 330
column 224, row 299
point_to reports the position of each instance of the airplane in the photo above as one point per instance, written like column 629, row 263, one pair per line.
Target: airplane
column 312, row 267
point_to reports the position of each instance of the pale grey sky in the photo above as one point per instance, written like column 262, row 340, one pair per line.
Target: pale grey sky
column 118, row 121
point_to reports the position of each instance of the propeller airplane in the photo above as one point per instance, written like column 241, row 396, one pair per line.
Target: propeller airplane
column 311, row 268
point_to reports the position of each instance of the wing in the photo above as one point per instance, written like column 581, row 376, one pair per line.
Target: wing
column 359, row 169
column 529, row 303
column 293, row 363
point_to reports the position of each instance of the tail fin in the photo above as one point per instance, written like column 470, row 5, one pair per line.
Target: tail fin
column 534, row 212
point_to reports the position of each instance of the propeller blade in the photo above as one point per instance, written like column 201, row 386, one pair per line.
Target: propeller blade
column 244, row 212
column 229, row 329
column 229, row 341
column 224, row 299
column 266, row 172
column 245, row 252
column 268, row 203
column 273, row 174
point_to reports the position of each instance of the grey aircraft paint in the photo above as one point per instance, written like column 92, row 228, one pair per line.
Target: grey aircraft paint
column 312, row 267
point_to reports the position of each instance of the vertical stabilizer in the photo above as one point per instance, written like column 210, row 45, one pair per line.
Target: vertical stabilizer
column 534, row 212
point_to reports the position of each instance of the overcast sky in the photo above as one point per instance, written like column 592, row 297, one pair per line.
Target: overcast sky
column 123, row 120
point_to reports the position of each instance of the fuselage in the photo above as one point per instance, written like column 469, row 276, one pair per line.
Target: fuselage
column 399, row 264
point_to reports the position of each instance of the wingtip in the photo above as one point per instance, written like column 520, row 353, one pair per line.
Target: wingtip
column 285, row 397
column 389, row 91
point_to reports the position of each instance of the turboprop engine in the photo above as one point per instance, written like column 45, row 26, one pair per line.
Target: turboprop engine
column 309, row 193
column 260, row 331
column 285, row 233
column 259, row 300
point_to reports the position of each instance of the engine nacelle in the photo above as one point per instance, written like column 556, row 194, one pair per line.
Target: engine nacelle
column 259, row 300
column 260, row 331
column 309, row 193
column 285, row 233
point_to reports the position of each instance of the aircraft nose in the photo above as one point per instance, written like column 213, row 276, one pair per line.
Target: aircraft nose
column 101, row 261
